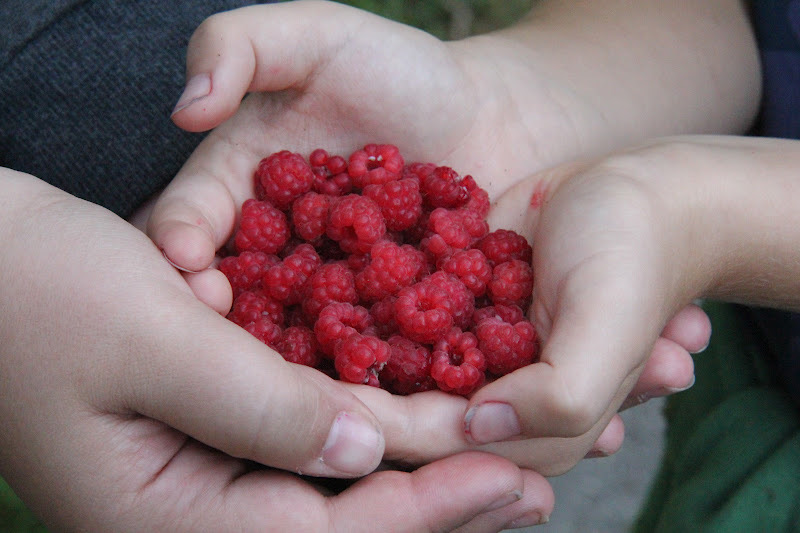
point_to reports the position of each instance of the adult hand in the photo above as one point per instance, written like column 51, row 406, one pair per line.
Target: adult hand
column 129, row 405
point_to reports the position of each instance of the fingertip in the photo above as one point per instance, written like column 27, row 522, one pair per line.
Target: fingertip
column 690, row 328
column 610, row 440
column 189, row 247
column 212, row 288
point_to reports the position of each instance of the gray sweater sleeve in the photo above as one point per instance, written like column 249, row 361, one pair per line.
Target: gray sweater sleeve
column 86, row 90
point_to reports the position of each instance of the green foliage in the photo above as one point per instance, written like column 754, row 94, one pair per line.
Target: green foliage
column 448, row 18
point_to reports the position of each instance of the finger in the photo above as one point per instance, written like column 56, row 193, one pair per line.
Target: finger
column 610, row 440
column 256, row 48
column 212, row 288
column 470, row 489
column 586, row 366
column 690, row 328
column 428, row 426
column 668, row 370
column 220, row 385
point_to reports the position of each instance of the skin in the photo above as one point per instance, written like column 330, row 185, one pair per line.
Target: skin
column 508, row 104
column 128, row 405
column 678, row 219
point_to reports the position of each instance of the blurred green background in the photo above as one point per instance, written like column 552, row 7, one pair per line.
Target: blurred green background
column 446, row 19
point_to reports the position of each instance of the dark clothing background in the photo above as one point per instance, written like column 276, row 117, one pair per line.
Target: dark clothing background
column 777, row 27
column 86, row 90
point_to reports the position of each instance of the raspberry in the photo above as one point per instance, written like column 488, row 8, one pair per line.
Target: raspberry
column 286, row 281
column 264, row 330
column 472, row 268
column 408, row 368
column 512, row 283
column 377, row 272
column 339, row 320
column 375, row 163
column 382, row 313
column 427, row 310
column 310, row 215
column 263, row 228
column 333, row 282
column 298, row 345
column 330, row 174
column 503, row 245
column 356, row 223
column 244, row 271
column 508, row 313
column 250, row 306
column 456, row 362
column 478, row 197
column 506, row 347
column 283, row 177
column 452, row 230
column 391, row 267
column 400, row 202
column 443, row 188
column 359, row 358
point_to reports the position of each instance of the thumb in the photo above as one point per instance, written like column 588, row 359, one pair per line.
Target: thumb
column 218, row 384
column 255, row 48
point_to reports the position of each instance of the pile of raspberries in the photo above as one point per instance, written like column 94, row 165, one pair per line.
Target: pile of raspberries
column 380, row 272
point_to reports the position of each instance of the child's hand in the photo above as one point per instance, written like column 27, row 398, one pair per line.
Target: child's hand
column 620, row 246
column 499, row 106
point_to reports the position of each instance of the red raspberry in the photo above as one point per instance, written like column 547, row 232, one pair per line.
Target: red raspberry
column 263, row 228
column 339, row 320
column 310, row 215
column 456, row 362
column 330, row 174
column 286, row 281
column 512, row 283
column 359, row 358
column 478, row 197
column 452, row 230
column 391, row 267
column 264, row 330
column 428, row 309
column 375, row 163
column 443, row 188
column 356, row 223
column 298, row 344
column 418, row 171
column 382, row 313
column 408, row 368
column 503, row 245
column 400, row 202
column 508, row 313
column 333, row 282
column 506, row 347
column 244, row 271
column 250, row 306
column 472, row 268
column 283, row 177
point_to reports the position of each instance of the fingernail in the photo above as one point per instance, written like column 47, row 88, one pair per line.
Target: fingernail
column 506, row 499
column 491, row 422
column 178, row 267
column 353, row 445
column 528, row 520
column 701, row 350
column 666, row 391
column 197, row 87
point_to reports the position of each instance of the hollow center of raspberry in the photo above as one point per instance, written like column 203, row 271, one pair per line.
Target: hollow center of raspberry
column 374, row 162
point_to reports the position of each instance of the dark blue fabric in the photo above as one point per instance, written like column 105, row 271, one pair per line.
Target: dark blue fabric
column 777, row 27
column 86, row 90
